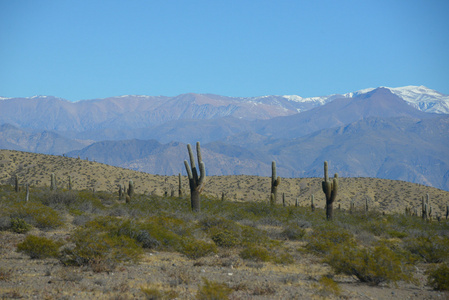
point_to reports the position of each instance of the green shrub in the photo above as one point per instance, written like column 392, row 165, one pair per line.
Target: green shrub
column 256, row 253
column 19, row 225
column 98, row 242
column 327, row 287
column 197, row 248
column 211, row 290
column 293, row 232
column 155, row 293
column 36, row 214
column 39, row 247
column 431, row 248
column 225, row 238
column 324, row 238
column 371, row 265
column 283, row 257
column 438, row 277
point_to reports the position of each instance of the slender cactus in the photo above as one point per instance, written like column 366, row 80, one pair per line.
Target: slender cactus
column 330, row 191
column 196, row 182
column 297, row 202
column 312, row 200
column 179, row 186
column 70, row 183
column 27, row 197
column 131, row 189
column 283, row 200
column 423, row 210
column 16, row 182
column 53, row 182
column 447, row 211
column 275, row 181
column 120, row 192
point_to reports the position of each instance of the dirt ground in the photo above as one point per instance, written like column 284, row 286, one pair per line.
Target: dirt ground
column 176, row 275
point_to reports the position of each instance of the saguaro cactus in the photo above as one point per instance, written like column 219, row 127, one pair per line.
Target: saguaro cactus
column 196, row 182
column 27, row 196
column 131, row 188
column 330, row 189
column 16, row 182
column 120, row 192
column 312, row 204
column 53, row 182
column 179, row 185
column 275, row 181
column 70, row 183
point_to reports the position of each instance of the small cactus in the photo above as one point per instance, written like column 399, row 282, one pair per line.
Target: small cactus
column 196, row 182
column 330, row 191
column 283, row 200
column 275, row 181
column 70, row 183
column 312, row 200
column 447, row 211
column 297, row 202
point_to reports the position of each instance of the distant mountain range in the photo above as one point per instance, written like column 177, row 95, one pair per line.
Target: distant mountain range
column 392, row 133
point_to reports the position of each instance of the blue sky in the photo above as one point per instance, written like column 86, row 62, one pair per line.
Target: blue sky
column 96, row 49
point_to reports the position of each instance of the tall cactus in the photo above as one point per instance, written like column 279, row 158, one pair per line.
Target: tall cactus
column 131, row 189
column 27, row 196
column 196, row 182
column 312, row 200
column 70, row 183
column 120, row 192
column 330, row 189
column 179, row 185
column 275, row 181
column 16, row 182
column 53, row 182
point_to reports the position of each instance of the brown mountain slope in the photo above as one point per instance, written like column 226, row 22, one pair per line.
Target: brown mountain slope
column 382, row 194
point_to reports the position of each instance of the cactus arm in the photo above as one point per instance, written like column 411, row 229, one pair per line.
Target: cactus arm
column 202, row 177
column 334, row 188
column 189, row 173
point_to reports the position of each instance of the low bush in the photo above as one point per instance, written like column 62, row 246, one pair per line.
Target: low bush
column 293, row 232
column 431, row 248
column 324, row 238
column 36, row 214
column 438, row 277
column 18, row 225
column 256, row 253
column 373, row 265
column 197, row 248
column 97, row 242
column 213, row 290
column 39, row 247
column 156, row 293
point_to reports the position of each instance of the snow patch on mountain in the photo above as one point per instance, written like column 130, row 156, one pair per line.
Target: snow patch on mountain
column 420, row 97
column 423, row 98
